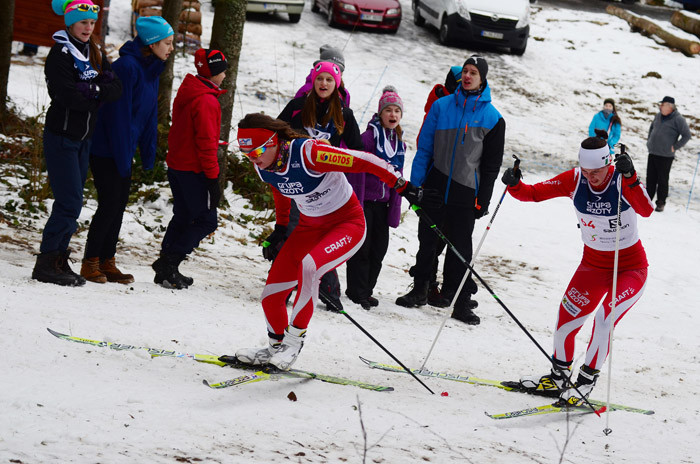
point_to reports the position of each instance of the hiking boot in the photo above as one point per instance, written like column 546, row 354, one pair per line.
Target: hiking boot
column 660, row 206
column 258, row 356
column 113, row 274
column 364, row 302
column 463, row 311
column 418, row 296
column 373, row 302
column 65, row 267
column 585, row 382
column 551, row 384
column 90, row 270
column 167, row 274
column 288, row 351
column 332, row 304
column 49, row 269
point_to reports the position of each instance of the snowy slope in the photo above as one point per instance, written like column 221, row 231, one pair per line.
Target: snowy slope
column 64, row 402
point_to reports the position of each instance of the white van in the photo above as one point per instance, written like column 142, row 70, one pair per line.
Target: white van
column 504, row 23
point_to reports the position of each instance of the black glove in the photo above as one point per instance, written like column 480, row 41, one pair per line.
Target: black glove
column 481, row 212
column 89, row 90
column 273, row 243
column 428, row 198
column 214, row 190
column 624, row 165
column 511, row 177
column 105, row 77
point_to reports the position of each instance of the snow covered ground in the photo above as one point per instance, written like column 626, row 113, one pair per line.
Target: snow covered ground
column 64, row 402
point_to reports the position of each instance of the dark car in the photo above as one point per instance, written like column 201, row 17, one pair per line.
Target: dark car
column 383, row 15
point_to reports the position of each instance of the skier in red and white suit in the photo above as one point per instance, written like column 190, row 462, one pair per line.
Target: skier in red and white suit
column 593, row 187
column 331, row 225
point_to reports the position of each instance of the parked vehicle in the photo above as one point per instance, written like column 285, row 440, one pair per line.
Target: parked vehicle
column 383, row 15
column 292, row 7
column 504, row 23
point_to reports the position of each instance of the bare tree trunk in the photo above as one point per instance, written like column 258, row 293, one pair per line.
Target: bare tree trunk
column 171, row 13
column 688, row 47
column 685, row 22
column 227, row 36
column 7, row 14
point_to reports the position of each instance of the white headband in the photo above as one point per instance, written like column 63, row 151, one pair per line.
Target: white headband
column 595, row 158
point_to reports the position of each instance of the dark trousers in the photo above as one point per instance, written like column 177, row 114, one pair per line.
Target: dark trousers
column 658, row 171
column 67, row 165
column 112, row 197
column 192, row 219
column 363, row 268
column 457, row 224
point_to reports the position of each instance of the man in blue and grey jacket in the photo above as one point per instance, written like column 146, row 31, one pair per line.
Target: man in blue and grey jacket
column 460, row 151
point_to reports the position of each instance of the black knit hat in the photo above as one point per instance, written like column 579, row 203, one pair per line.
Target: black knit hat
column 210, row 62
column 481, row 65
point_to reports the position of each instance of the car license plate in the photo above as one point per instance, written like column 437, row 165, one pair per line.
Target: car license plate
column 371, row 17
column 492, row 35
column 273, row 6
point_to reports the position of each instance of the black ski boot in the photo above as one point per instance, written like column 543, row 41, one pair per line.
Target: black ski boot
column 463, row 311
column 418, row 296
column 49, row 269
column 167, row 273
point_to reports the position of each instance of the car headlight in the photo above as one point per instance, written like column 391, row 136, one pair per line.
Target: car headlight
column 347, row 6
column 393, row 11
column 462, row 10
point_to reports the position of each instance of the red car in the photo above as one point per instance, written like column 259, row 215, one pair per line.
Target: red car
column 383, row 15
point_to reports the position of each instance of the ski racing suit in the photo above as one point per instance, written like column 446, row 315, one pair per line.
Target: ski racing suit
column 592, row 282
column 331, row 224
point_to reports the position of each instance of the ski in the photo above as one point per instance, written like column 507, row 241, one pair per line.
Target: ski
column 257, row 376
column 503, row 385
column 540, row 410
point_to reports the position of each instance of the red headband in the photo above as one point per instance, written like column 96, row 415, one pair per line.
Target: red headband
column 255, row 137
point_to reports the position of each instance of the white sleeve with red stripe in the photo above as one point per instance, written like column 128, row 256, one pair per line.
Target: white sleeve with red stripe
column 322, row 157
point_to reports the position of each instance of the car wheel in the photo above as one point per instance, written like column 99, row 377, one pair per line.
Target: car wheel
column 444, row 35
column 519, row 51
column 314, row 7
column 294, row 17
column 331, row 13
column 418, row 20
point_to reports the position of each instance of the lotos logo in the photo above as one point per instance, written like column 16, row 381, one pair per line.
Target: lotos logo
column 339, row 159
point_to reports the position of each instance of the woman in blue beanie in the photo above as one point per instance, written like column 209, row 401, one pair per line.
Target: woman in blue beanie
column 79, row 79
column 123, row 126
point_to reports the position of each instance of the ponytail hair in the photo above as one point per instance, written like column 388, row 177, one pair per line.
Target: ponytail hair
column 263, row 121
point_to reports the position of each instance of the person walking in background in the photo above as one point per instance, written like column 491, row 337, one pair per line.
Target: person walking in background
column 123, row 126
column 460, row 151
column 79, row 80
column 331, row 223
column 668, row 133
column 381, row 205
column 608, row 120
column 322, row 114
column 193, row 165
column 594, row 187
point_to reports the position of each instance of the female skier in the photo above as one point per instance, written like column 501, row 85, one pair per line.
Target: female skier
column 594, row 188
column 331, row 224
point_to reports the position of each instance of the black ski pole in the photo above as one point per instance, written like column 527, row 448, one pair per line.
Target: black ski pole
column 342, row 311
column 422, row 215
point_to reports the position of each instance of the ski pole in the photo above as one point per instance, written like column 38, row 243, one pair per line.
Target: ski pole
column 692, row 184
column 607, row 430
column 342, row 311
column 516, row 166
column 421, row 214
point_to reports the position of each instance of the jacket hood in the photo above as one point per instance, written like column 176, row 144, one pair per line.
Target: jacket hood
column 193, row 87
column 153, row 65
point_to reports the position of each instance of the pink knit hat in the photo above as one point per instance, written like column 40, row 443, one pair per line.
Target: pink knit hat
column 327, row 67
column 389, row 97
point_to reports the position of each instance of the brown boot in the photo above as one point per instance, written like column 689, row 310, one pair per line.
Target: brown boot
column 91, row 271
column 109, row 268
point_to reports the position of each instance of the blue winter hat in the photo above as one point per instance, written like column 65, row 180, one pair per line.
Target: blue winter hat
column 151, row 29
column 75, row 10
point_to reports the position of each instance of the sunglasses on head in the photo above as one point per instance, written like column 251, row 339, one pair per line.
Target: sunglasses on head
column 85, row 7
column 257, row 152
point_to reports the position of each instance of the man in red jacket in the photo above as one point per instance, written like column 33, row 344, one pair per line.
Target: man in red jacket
column 193, row 167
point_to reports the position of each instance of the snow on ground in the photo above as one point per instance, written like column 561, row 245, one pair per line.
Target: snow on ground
column 64, row 402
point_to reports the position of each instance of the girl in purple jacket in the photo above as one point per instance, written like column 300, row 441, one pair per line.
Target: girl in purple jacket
column 382, row 205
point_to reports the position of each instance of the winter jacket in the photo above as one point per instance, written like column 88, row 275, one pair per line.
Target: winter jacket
column 131, row 121
column 664, row 133
column 194, row 135
column 601, row 121
column 71, row 114
column 369, row 187
column 461, row 147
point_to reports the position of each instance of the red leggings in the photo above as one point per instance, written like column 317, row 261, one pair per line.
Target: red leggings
column 587, row 288
column 316, row 246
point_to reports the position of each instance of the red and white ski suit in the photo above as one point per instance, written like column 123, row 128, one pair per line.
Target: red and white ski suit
column 331, row 224
column 592, row 281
